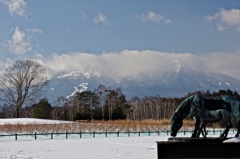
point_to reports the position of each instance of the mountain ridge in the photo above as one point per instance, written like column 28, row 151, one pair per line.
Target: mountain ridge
column 172, row 82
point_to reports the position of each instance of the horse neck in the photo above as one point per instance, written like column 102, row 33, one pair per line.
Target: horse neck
column 184, row 108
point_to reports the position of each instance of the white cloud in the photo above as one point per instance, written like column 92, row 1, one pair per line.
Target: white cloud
column 17, row 7
column 226, row 19
column 134, row 63
column 101, row 18
column 154, row 17
column 227, row 63
column 84, row 15
column 21, row 42
column 4, row 63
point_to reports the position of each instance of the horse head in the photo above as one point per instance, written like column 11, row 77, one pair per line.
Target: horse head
column 182, row 111
column 176, row 124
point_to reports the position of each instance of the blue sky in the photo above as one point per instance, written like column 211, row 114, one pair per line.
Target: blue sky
column 91, row 31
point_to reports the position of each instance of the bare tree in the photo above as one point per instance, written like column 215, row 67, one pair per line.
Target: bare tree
column 102, row 92
column 22, row 83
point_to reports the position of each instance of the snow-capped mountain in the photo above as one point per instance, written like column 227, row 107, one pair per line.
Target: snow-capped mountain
column 66, row 84
column 175, row 81
column 177, row 84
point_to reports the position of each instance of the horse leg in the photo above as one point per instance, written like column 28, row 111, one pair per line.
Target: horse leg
column 225, row 132
column 222, row 134
column 238, row 132
column 238, row 129
column 197, row 130
column 203, row 130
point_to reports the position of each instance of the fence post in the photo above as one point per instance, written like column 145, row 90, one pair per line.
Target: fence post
column 66, row 134
column 149, row 133
column 139, row 133
column 128, row 134
column 106, row 134
column 117, row 133
column 16, row 136
column 35, row 136
column 51, row 135
column 80, row 133
column 94, row 134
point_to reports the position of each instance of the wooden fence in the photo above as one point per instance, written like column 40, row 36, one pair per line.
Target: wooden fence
column 74, row 135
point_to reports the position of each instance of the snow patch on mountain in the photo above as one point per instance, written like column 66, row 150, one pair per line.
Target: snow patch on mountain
column 75, row 74
column 227, row 83
column 80, row 88
column 222, row 83
column 83, row 73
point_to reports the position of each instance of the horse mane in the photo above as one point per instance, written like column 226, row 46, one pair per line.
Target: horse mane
column 184, row 108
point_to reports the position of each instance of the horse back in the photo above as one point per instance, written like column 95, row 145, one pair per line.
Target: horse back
column 213, row 103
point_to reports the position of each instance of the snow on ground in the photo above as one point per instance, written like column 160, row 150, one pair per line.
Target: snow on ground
column 30, row 121
column 94, row 148
column 84, row 148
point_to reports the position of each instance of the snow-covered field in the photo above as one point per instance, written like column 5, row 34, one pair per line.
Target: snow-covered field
column 88, row 148
column 30, row 121
column 84, row 148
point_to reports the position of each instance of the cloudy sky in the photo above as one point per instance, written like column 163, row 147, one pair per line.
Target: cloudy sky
column 121, row 37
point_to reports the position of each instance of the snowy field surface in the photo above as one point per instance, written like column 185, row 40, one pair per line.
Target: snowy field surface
column 84, row 148
column 30, row 121
column 94, row 148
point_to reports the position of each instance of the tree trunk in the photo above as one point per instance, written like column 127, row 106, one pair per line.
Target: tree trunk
column 18, row 112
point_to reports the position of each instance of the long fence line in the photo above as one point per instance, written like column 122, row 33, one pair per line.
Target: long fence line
column 74, row 135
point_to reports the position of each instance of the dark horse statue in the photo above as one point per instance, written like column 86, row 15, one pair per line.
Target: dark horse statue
column 232, row 104
column 212, row 116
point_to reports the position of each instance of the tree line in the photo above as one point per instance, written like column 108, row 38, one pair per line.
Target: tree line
column 105, row 104
column 22, row 83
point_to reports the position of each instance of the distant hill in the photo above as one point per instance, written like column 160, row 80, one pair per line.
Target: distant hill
column 175, row 81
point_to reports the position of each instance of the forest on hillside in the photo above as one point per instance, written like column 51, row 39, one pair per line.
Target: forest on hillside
column 104, row 104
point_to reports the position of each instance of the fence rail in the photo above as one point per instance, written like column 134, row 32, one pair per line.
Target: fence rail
column 95, row 134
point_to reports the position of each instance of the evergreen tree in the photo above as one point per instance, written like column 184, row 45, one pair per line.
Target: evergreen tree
column 42, row 109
